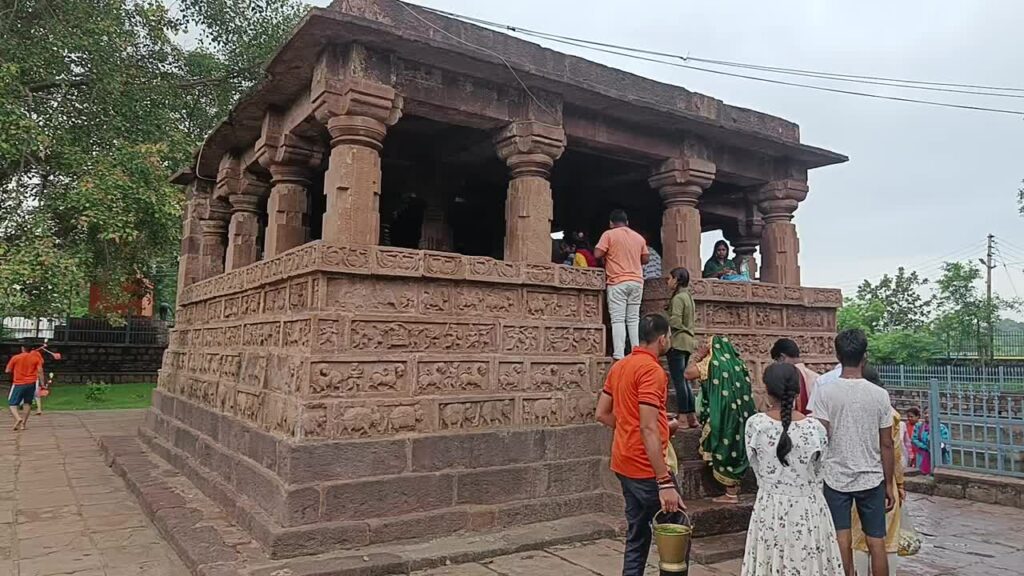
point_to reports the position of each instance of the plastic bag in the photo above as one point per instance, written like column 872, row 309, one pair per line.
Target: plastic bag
column 910, row 540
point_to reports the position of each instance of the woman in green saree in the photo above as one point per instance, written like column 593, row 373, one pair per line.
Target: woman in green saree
column 726, row 401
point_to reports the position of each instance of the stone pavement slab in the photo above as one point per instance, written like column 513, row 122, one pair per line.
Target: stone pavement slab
column 66, row 512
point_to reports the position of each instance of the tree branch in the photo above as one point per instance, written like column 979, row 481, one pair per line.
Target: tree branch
column 185, row 84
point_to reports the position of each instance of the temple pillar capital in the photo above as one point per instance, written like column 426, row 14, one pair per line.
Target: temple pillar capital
column 680, row 182
column 780, row 244
column 529, row 149
column 778, row 200
column 244, row 193
column 291, row 161
column 357, row 113
column 214, row 214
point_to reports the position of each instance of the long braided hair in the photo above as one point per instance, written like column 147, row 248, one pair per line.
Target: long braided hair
column 782, row 382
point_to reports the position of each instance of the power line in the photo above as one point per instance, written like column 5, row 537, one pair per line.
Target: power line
column 633, row 53
column 1007, row 270
column 779, row 69
column 482, row 49
column 925, row 269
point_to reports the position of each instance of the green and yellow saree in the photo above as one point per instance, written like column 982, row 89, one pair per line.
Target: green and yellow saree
column 726, row 401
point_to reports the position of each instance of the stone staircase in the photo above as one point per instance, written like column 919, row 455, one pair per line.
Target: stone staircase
column 719, row 529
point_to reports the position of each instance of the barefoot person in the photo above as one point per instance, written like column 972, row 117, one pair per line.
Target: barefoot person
column 681, row 318
column 791, row 530
column 26, row 370
column 632, row 404
column 726, row 402
column 860, row 461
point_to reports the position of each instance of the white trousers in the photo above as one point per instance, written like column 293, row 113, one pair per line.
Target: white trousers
column 624, row 310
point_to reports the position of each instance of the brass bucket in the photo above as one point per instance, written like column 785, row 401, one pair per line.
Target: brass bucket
column 673, row 541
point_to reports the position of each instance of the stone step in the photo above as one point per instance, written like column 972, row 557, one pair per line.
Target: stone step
column 715, row 549
column 712, row 518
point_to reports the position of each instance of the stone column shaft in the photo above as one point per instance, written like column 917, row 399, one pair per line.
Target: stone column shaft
column 287, row 209
column 681, row 183
column 243, row 231
column 190, row 263
column 530, row 150
column 780, row 246
column 435, row 234
column 212, row 247
column 352, row 182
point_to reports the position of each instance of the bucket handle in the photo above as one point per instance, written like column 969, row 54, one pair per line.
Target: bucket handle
column 654, row 521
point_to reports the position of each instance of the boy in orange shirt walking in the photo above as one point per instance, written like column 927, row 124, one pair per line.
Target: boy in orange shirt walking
column 26, row 370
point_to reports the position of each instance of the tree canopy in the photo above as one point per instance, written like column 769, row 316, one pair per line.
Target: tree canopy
column 908, row 318
column 100, row 102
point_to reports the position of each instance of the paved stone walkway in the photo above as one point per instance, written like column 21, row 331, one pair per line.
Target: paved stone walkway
column 63, row 512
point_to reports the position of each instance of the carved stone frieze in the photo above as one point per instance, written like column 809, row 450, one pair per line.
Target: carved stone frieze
column 352, row 379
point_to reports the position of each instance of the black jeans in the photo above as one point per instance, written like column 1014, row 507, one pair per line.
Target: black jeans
column 642, row 503
column 677, row 361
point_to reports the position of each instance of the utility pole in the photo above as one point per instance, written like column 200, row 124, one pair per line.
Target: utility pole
column 987, row 263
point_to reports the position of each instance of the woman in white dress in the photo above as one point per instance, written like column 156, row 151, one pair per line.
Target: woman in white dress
column 791, row 531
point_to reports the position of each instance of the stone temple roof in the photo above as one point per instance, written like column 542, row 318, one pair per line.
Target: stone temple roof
column 390, row 25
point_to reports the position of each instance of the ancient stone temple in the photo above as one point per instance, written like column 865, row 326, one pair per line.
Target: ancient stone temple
column 372, row 342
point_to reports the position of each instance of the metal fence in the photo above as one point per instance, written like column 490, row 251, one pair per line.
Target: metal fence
column 1004, row 345
column 134, row 330
column 1002, row 378
column 980, row 408
column 985, row 425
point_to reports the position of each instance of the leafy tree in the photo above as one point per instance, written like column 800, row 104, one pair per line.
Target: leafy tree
column 99, row 103
column 964, row 314
column 902, row 305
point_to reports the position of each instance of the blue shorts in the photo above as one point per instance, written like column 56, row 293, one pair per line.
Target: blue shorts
column 870, row 507
column 22, row 393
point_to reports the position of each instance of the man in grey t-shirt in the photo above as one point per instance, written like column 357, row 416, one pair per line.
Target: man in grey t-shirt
column 860, row 458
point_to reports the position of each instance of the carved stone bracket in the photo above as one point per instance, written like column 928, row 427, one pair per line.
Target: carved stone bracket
column 530, row 148
column 779, row 200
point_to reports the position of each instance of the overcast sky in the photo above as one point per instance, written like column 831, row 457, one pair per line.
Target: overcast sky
column 922, row 183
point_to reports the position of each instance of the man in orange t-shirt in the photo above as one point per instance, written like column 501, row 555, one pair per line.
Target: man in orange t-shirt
column 632, row 404
column 624, row 253
column 26, row 369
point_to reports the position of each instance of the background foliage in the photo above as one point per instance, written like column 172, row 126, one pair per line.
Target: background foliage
column 100, row 102
column 909, row 319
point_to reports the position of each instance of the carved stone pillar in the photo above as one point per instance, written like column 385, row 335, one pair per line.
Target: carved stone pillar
column 435, row 234
column 681, row 181
column 357, row 113
column 780, row 246
column 291, row 161
column 530, row 150
column 745, row 237
column 243, row 231
column 287, row 209
column 190, row 263
column 214, row 237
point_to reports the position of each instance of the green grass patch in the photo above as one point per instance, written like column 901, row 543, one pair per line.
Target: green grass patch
column 98, row 397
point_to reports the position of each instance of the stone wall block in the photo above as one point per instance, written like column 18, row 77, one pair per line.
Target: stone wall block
column 387, row 497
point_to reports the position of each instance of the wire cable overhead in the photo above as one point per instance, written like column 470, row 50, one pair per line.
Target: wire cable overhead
column 683, row 61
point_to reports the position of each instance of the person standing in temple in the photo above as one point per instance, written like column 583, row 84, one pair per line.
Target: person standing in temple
column 682, row 320
column 624, row 253
column 632, row 404
column 652, row 269
column 786, row 351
